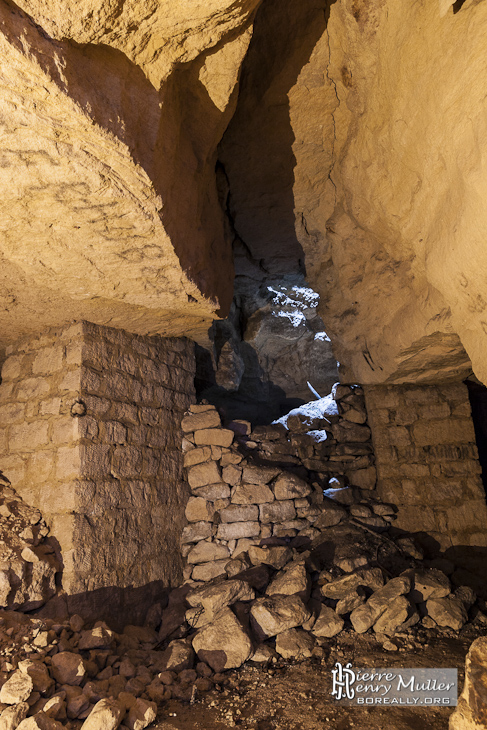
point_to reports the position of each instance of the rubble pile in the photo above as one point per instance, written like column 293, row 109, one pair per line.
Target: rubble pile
column 310, row 470
column 28, row 563
column 283, row 602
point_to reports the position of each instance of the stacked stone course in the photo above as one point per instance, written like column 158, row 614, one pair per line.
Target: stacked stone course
column 90, row 432
column 269, row 483
column 427, row 460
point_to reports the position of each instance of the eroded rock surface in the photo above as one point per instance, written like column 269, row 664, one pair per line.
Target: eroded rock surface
column 327, row 153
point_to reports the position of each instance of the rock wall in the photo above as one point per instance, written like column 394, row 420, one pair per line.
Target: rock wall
column 90, row 424
column 427, row 460
column 329, row 162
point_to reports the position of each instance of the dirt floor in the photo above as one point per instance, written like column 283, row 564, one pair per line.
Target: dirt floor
column 286, row 696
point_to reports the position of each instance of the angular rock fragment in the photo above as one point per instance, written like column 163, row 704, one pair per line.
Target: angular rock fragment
column 204, row 552
column 179, row 655
column 107, row 714
column 365, row 616
column 293, row 580
column 223, row 644
column 350, row 602
column 214, row 598
column 11, row 717
column 141, row 714
column 429, row 583
column 275, row 614
column 208, row 571
column 97, row 638
column 396, row 614
column 328, row 623
column 448, row 611
column 39, row 674
column 17, row 689
column 40, row 721
column 294, row 644
column 470, row 713
column 371, row 578
column 277, row 556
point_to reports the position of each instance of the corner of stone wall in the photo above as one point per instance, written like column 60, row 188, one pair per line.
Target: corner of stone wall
column 90, row 433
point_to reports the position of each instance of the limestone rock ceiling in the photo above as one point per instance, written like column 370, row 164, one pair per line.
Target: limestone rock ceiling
column 354, row 149
column 109, row 121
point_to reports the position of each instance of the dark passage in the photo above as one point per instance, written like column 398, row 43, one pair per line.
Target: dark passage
column 478, row 401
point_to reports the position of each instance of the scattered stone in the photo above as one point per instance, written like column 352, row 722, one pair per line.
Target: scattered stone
column 277, row 557
column 107, row 714
column 68, row 668
column 293, row 580
column 275, row 614
column 328, row 623
column 207, row 571
column 223, row 644
column 97, row 638
column 12, row 716
column 430, row 583
column 294, row 644
column 350, row 602
column 448, row 611
column 16, row 689
column 205, row 552
column 365, row 616
column 371, row 578
column 141, row 714
column 470, row 712
column 214, row 598
column 396, row 614
column 40, row 721
column 179, row 655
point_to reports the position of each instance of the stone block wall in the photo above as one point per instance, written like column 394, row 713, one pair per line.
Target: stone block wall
column 427, row 460
column 90, row 434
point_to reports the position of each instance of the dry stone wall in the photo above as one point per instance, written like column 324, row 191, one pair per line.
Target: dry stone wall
column 427, row 460
column 90, row 433
column 287, row 480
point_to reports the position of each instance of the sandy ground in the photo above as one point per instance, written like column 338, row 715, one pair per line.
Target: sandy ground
column 297, row 696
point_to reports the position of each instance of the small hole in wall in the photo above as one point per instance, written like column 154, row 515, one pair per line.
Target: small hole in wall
column 457, row 5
